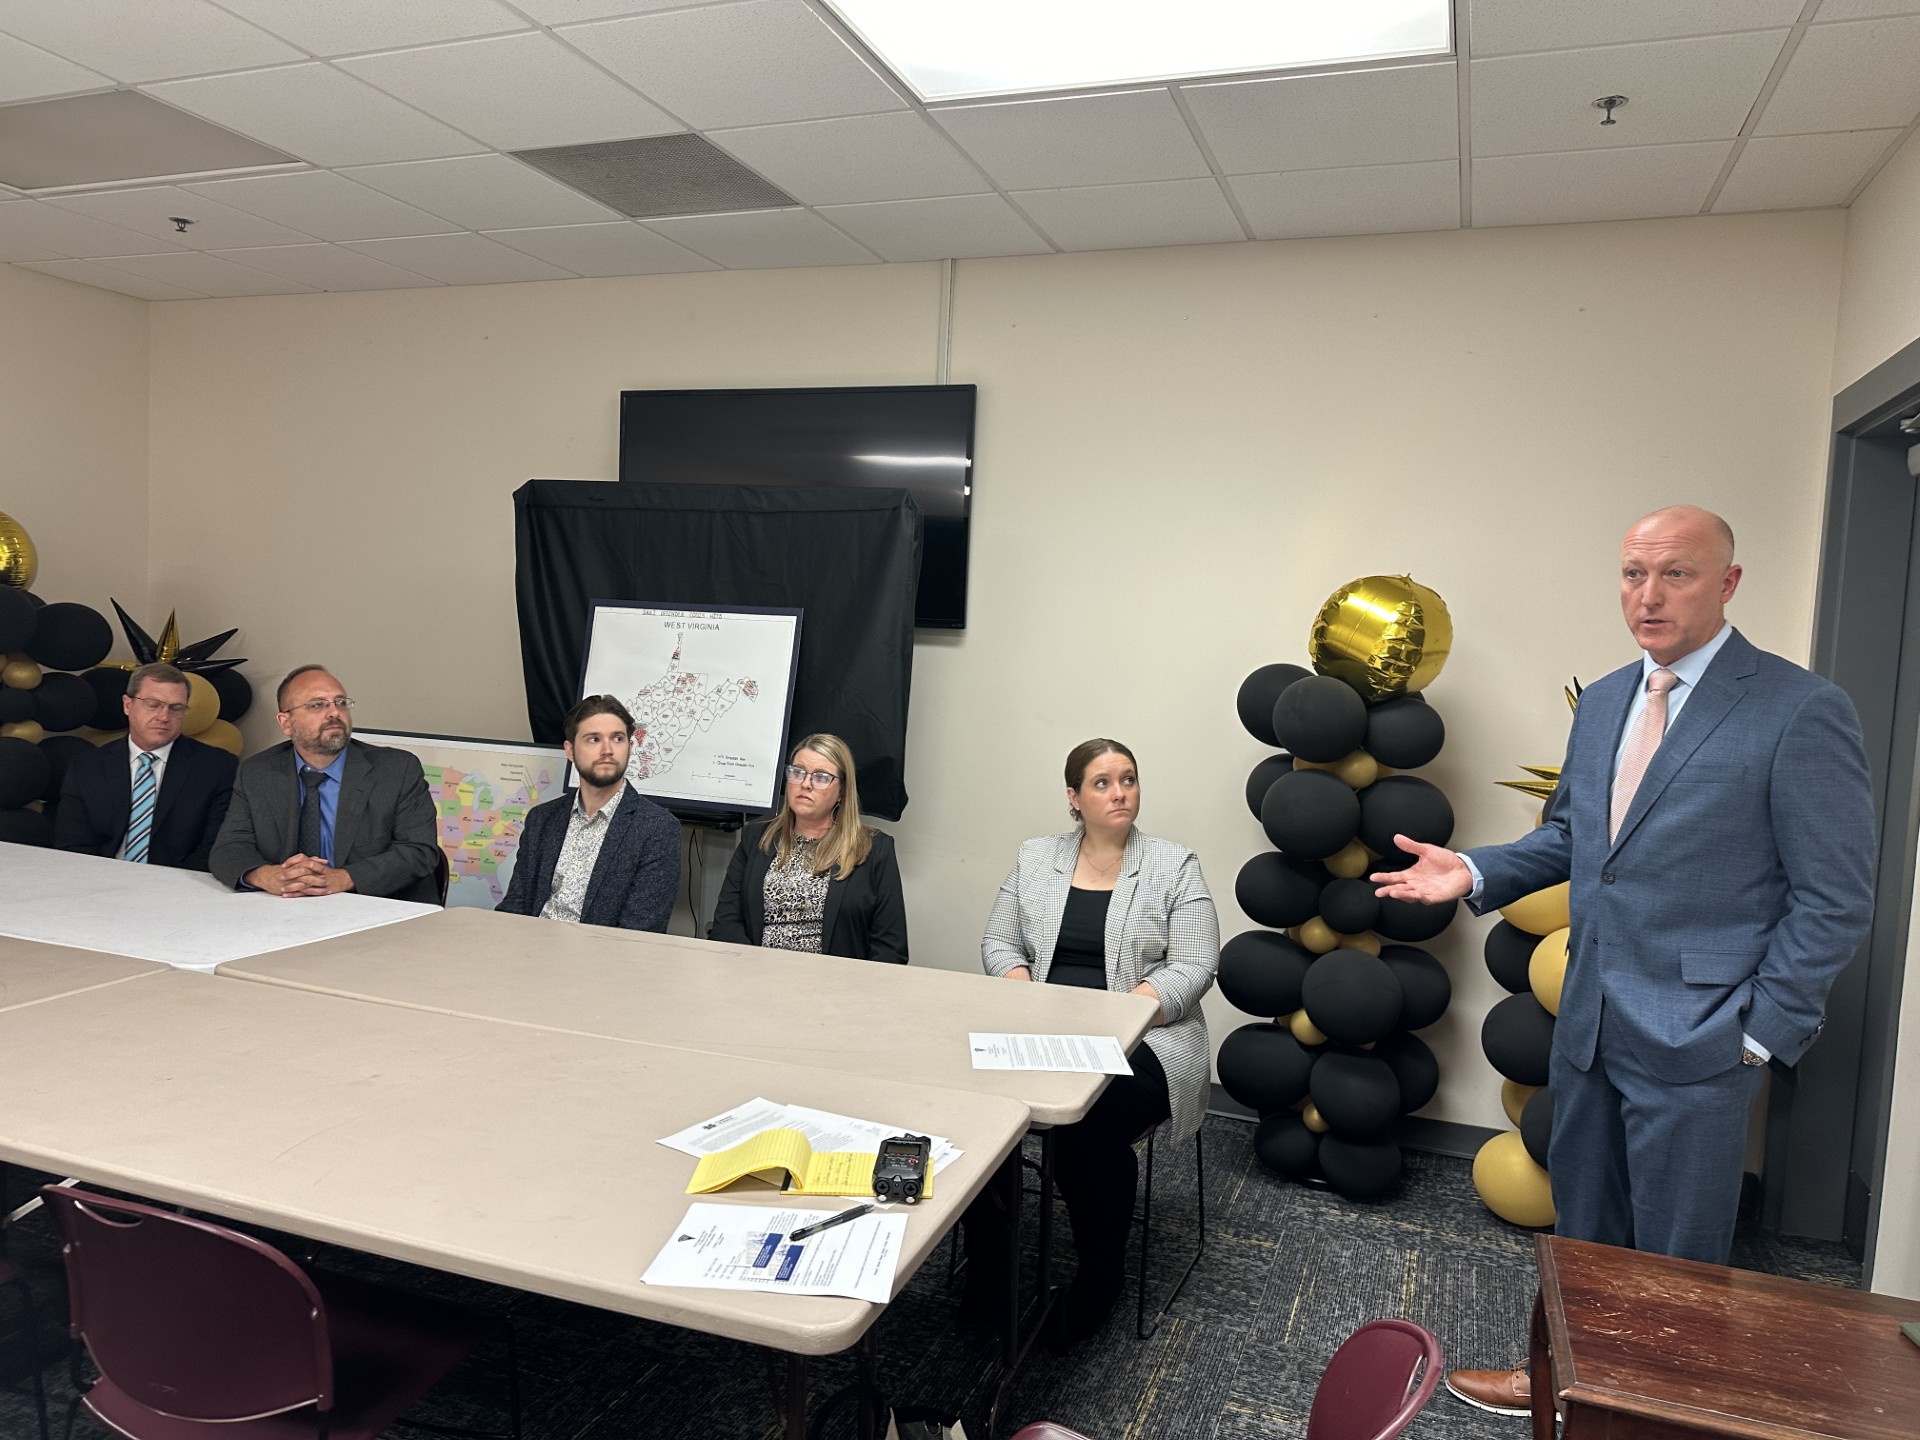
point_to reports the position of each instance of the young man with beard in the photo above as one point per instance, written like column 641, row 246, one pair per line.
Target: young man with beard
column 606, row 855
column 324, row 813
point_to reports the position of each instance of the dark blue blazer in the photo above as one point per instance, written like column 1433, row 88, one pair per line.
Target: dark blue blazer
column 1742, row 878
column 96, row 796
column 634, row 878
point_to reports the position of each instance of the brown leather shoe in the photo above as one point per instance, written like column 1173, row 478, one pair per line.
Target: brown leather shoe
column 1504, row 1392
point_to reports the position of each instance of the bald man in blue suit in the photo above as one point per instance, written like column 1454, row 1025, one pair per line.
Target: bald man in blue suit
column 1721, row 866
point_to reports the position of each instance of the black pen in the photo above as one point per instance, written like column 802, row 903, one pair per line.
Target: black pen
column 842, row 1218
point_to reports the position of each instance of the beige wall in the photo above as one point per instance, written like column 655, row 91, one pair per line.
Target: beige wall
column 1180, row 453
column 1879, row 316
column 1880, row 301
column 73, row 435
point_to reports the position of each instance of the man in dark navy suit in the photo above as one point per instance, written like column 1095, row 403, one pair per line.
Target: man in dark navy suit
column 154, row 798
column 1715, row 818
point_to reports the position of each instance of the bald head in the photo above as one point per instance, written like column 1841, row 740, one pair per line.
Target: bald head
column 1676, row 576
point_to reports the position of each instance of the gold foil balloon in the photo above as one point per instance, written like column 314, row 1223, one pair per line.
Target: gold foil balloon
column 203, row 705
column 222, row 734
column 1383, row 634
column 1542, row 912
column 1511, row 1184
column 19, row 673
column 1514, row 1097
column 27, row 730
column 1350, row 862
column 1547, row 971
column 19, row 561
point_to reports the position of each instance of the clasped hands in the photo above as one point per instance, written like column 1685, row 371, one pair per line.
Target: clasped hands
column 1437, row 876
column 299, row 875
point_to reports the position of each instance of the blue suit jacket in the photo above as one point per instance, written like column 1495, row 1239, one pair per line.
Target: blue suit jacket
column 634, row 878
column 1741, row 880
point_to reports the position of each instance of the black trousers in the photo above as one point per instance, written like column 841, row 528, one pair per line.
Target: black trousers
column 1097, row 1173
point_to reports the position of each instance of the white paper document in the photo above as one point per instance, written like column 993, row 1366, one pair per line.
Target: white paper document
column 824, row 1131
column 1083, row 1054
column 741, row 1247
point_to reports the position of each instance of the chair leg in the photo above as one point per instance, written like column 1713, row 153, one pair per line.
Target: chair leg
column 30, row 1319
column 1142, row 1327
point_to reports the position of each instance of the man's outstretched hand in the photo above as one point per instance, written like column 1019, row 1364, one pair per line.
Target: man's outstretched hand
column 1436, row 877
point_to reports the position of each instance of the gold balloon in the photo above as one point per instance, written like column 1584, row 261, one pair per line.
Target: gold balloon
column 221, row 734
column 1547, row 970
column 1368, row 942
column 19, row 561
column 20, row 673
column 203, row 705
column 1305, row 1031
column 1318, row 936
column 27, row 730
column 1314, row 1120
column 1300, row 764
column 1542, row 912
column 1513, row 1186
column 1383, row 634
column 1351, row 862
column 1358, row 769
column 1514, row 1097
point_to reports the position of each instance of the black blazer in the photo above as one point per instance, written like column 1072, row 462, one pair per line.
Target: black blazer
column 865, row 916
column 384, row 829
column 634, row 878
column 96, row 797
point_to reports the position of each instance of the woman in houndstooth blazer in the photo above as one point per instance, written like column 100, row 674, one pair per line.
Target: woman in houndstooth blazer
column 1105, row 907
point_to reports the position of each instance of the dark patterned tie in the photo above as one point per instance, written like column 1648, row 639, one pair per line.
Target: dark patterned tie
column 140, row 818
column 310, row 812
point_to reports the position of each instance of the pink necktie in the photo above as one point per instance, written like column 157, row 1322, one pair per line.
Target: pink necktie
column 1645, row 739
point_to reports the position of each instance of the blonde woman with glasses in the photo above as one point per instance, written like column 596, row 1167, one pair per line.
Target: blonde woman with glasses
column 814, row 877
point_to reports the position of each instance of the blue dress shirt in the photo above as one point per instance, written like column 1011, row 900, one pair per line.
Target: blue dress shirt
column 328, row 795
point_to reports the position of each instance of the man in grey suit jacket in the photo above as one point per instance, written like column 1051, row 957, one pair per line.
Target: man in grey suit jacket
column 324, row 813
column 1715, row 821
column 605, row 855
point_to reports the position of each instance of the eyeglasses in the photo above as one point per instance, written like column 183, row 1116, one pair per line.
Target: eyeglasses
column 819, row 779
column 154, row 707
column 320, row 707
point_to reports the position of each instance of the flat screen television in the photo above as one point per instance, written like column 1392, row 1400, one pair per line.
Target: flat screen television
column 917, row 438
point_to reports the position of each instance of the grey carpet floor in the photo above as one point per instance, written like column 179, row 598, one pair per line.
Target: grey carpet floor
column 1289, row 1271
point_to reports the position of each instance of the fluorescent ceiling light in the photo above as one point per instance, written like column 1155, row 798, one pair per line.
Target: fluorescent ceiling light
column 953, row 49
column 958, row 461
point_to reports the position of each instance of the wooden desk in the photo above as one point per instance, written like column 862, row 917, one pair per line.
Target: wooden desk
column 1641, row 1347
column 878, row 1021
column 175, row 917
column 515, row 1155
column 31, row 971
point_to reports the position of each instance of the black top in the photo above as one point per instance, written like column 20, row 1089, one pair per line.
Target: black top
column 1080, row 955
column 865, row 917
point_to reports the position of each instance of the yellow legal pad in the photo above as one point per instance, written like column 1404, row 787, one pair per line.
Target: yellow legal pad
column 783, row 1155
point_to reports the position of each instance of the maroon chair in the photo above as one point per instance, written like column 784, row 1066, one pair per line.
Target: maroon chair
column 1377, row 1381
column 201, row 1333
column 11, row 1278
column 1047, row 1430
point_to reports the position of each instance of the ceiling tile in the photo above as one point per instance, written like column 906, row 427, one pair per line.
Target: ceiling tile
column 722, row 66
column 1122, row 217
column 27, row 73
column 865, row 157
column 483, row 192
column 208, row 274
column 1309, row 122
column 1860, row 76
column 1864, row 9
column 32, row 225
column 1503, row 27
column 329, row 267
column 1676, row 90
column 1797, row 172
column 519, row 92
column 1370, row 200
column 621, row 248
column 568, row 12
column 150, row 208
column 1080, row 140
column 101, row 277
column 344, row 27
column 135, row 40
column 460, row 259
column 764, row 239
column 321, row 203
column 960, row 227
column 1630, row 184
column 318, row 113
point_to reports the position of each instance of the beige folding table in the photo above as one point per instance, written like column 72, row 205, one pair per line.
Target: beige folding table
column 509, row 1153
column 32, row 971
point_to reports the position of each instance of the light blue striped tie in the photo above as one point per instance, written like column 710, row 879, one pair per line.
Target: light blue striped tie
column 140, row 819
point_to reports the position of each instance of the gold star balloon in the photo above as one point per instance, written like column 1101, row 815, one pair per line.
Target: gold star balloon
column 1384, row 635
column 19, row 561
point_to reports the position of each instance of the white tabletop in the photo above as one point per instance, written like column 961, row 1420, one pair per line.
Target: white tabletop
column 31, row 971
column 854, row 1016
column 183, row 918
column 517, row 1155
